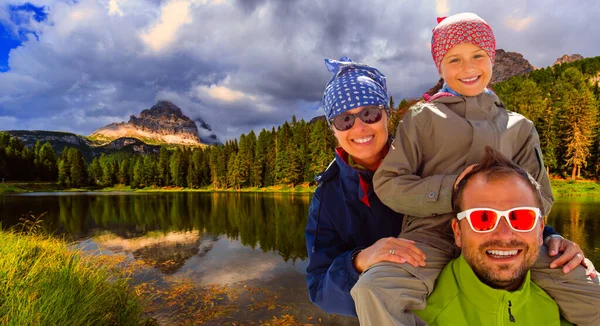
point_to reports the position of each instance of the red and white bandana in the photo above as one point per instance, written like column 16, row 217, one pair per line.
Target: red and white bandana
column 461, row 28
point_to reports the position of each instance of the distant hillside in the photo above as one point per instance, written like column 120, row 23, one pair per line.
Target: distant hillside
column 60, row 140
column 164, row 123
column 563, row 101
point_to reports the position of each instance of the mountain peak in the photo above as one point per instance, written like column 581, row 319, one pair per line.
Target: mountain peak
column 163, row 109
column 568, row 58
column 509, row 64
column 163, row 123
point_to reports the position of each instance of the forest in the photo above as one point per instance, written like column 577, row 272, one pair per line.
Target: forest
column 563, row 101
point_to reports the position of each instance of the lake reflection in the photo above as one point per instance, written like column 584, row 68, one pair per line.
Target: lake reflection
column 234, row 239
column 271, row 222
column 578, row 219
column 243, row 240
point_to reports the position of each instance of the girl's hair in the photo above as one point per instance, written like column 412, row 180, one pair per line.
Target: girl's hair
column 432, row 91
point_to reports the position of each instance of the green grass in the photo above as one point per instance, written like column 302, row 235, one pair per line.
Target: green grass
column 44, row 282
column 560, row 187
column 19, row 187
column 303, row 188
column 575, row 187
column 11, row 188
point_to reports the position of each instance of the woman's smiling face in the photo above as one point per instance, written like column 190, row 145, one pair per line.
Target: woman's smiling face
column 364, row 142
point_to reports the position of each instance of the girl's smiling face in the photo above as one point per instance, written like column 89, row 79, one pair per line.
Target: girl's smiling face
column 467, row 69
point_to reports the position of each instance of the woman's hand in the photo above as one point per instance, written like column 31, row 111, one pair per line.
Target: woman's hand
column 395, row 250
column 572, row 255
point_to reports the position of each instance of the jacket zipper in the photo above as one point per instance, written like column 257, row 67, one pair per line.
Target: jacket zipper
column 510, row 316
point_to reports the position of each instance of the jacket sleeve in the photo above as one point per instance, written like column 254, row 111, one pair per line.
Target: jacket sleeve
column 397, row 183
column 529, row 157
column 330, row 274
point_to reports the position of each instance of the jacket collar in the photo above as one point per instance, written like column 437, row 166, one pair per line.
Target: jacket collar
column 480, row 107
column 357, row 181
column 482, row 296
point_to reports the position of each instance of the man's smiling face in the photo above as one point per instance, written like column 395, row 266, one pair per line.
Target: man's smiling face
column 500, row 258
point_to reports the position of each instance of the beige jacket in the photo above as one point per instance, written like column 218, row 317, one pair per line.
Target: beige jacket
column 436, row 141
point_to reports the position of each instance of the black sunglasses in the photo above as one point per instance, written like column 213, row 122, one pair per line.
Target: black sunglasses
column 345, row 121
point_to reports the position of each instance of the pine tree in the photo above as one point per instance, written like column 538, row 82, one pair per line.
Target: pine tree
column 47, row 162
column 123, row 176
column 95, row 171
column 579, row 113
column 78, row 169
column 282, row 156
column 320, row 149
column 163, row 174
column 258, row 166
column 150, row 171
column 62, row 174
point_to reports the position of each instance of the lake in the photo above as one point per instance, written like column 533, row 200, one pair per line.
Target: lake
column 249, row 243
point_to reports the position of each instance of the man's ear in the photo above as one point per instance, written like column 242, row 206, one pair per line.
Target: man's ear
column 541, row 231
column 457, row 232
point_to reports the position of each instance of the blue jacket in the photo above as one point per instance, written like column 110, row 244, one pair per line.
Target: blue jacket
column 351, row 218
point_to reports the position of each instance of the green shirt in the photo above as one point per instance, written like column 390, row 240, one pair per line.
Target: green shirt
column 460, row 298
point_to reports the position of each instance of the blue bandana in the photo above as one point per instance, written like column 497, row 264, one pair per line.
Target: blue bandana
column 353, row 85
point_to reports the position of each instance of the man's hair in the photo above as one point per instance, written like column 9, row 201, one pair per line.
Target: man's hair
column 495, row 166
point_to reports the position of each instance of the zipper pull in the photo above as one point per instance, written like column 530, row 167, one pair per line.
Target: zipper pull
column 510, row 316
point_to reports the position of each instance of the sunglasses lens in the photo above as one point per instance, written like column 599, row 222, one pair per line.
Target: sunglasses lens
column 522, row 219
column 483, row 220
column 343, row 122
column 370, row 115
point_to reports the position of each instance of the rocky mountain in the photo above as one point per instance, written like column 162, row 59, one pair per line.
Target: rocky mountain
column 163, row 123
column 89, row 149
column 568, row 58
column 509, row 64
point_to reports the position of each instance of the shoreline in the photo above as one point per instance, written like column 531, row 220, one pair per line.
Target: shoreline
column 560, row 188
column 33, row 187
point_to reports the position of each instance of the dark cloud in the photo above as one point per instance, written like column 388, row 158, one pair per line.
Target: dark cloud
column 264, row 59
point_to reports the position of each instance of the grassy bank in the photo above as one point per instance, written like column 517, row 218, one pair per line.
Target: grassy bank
column 43, row 282
column 562, row 187
column 19, row 187
column 302, row 188
column 13, row 188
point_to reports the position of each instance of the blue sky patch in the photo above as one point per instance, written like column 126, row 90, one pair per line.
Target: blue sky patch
column 19, row 15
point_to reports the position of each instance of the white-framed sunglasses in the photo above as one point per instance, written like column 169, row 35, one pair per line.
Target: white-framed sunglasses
column 483, row 220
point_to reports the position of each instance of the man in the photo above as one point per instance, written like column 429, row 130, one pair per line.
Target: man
column 499, row 230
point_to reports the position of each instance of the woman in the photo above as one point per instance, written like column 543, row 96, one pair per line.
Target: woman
column 349, row 229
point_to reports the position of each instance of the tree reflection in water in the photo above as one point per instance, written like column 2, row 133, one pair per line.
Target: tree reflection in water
column 271, row 222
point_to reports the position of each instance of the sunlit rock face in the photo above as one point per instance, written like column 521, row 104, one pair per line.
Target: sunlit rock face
column 568, row 58
column 509, row 64
column 164, row 123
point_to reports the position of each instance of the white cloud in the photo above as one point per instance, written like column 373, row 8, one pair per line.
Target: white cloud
column 221, row 93
column 441, row 8
column 173, row 16
column 241, row 64
column 518, row 24
column 113, row 8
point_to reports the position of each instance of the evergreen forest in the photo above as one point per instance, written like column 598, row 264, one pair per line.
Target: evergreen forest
column 563, row 101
